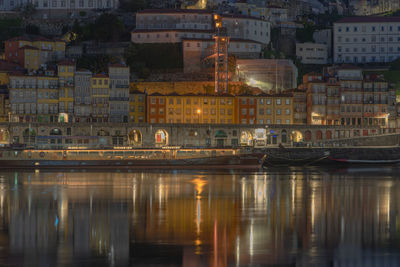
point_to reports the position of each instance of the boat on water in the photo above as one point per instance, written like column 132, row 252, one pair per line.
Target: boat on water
column 365, row 161
column 295, row 157
column 164, row 158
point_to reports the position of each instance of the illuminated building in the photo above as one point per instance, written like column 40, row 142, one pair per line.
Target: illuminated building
column 348, row 97
column 274, row 75
column 100, row 97
column 137, row 106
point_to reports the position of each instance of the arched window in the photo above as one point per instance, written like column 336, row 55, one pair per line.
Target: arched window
column 319, row 135
column 308, row 136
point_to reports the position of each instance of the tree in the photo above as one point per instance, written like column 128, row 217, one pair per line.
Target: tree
column 27, row 10
column 133, row 5
column 95, row 63
column 32, row 29
column 107, row 27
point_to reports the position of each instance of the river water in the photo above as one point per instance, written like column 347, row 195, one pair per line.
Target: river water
column 278, row 217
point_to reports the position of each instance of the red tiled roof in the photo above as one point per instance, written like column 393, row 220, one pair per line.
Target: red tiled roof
column 170, row 30
column 238, row 16
column 67, row 63
column 31, row 38
column 117, row 65
column 8, row 65
column 348, row 67
column 28, row 47
column 368, row 19
column 235, row 40
column 100, row 75
column 172, row 11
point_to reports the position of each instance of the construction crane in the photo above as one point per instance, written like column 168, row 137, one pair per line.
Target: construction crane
column 221, row 56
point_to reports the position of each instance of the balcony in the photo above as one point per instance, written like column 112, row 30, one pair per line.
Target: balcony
column 121, row 86
column 119, row 98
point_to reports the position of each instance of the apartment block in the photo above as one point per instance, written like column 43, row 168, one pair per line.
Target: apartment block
column 31, row 52
column 366, row 39
column 312, row 53
column 348, row 98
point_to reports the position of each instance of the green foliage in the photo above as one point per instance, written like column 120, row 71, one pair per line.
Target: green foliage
column 106, row 28
column 306, row 34
column 10, row 28
column 96, row 64
column 144, row 58
column 32, row 29
column 82, row 13
column 271, row 54
column 27, row 10
column 133, row 5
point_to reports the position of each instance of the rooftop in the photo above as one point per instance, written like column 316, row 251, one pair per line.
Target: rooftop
column 172, row 11
column 368, row 19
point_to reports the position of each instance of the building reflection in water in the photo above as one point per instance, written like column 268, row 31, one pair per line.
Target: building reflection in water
column 305, row 216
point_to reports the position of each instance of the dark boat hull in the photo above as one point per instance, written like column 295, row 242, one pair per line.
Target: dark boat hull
column 223, row 162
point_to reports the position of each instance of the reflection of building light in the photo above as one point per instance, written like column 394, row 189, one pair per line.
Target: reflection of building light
column 238, row 251
column 251, row 250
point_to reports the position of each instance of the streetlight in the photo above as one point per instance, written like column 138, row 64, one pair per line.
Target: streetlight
column 198, row 114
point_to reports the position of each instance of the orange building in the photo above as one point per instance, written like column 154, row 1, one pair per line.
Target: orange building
column 246, row 109
column 156, row 108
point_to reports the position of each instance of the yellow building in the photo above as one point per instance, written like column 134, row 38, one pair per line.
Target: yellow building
column 137, row 106
column 66, row 73
column 210, row 109
column 274, row 109
column 30, row 56
column 47, row 99
column 100, row 87
column 4, row 103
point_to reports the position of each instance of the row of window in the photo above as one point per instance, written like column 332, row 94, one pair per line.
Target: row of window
column 262, row 121
column 364, row 59
column 372, row 50
column 373, row 39
column 372, row 28
column 81, row 3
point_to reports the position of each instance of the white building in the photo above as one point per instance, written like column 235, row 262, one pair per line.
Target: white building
column 183, row 19
column 141, row 36
column 172, row 25
column 247, row 28
column 366, row 39
column 312, row 53
column 324, row 36
column 69, row 5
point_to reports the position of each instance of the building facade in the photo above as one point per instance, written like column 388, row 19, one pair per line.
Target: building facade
column 366, row 39
column 312, row 53
column 82, row 96
column 31, row 52
column 137, row 106
column 119, row 92
column 348, row 98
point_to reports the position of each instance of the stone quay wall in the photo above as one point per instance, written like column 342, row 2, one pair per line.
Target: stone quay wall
column 97, row 135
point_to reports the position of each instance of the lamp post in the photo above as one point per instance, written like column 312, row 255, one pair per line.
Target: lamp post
column 198, row 114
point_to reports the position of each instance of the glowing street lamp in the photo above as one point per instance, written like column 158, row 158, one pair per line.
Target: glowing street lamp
column 198, row 114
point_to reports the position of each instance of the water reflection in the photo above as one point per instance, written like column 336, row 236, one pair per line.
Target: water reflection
column 310, row 216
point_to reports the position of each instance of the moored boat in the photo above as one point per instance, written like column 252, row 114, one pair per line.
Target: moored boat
column 170, row 157
column 365, row 161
